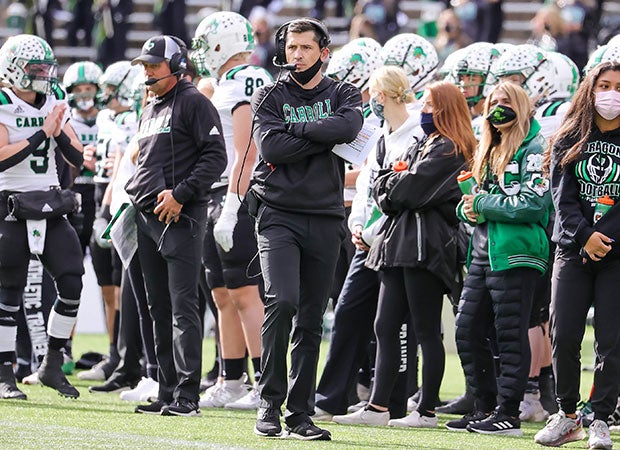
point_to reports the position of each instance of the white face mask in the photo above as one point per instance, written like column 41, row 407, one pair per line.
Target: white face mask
column 607, row 104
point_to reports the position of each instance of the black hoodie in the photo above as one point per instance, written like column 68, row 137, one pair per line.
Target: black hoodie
column 187, row 161
column 577, row 186
column 295, row 132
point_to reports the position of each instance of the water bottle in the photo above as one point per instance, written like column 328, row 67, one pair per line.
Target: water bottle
column 469, row 186
column 603, row 204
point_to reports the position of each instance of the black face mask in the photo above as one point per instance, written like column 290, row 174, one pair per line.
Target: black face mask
column 305, row 76
column 501, row 115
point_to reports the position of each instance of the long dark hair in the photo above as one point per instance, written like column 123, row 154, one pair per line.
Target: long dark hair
column 577, row 125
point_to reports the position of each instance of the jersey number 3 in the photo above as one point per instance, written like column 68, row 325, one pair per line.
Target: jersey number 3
column 39, row 162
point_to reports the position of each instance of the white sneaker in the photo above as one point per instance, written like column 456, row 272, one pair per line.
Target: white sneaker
column 364, row 417
column 31, row 379
column 412, row 405
column 141, row 393
column 359, row 405
column 599, row 435
column 321, row 414
column 559, row 430
column 414, row 420
column 248, row 402
column 531, row 409
column 223, row 392
column 96, row 373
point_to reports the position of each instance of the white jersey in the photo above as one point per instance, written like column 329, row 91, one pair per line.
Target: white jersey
column 114, row 133
column 234, row 89
column 22, row 120
column 86, row 131
column 550, row 116
column 397, row 143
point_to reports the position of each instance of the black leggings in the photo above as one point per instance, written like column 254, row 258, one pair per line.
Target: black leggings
column 419, row 292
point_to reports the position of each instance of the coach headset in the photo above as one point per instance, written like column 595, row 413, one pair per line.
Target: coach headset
column 280, row 59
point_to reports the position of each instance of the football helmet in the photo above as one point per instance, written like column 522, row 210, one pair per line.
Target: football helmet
column 27, row 62
column 83, row 72
column 446, row 71
column 415, row 55
column 566, row 80
column 532, row 64
column 120, row 75
column 221, row 35
column 355, row 62
column 602, row 54
column 477, row 60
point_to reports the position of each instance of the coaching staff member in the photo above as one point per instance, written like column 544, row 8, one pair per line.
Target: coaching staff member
column 297, row 199
column 181, row 154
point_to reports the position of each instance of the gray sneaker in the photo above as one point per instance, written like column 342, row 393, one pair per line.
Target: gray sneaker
column 599, row 435
column 559, row 430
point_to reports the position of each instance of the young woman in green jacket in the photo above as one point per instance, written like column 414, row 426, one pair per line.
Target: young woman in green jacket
column 508, row 252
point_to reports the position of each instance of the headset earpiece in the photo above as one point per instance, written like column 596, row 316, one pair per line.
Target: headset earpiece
column 280, row 37
column 178, row 61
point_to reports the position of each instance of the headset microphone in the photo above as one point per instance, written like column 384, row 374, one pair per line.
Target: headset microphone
column 152, row 81
column 290, row 67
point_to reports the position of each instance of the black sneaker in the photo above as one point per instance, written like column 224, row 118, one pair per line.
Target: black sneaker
column 8, row 388
column 268, row 423
column 112, row 386
column 308, row 431
column 181, row 407
column 461, row 424
column 151, row 408
column 498, row 423
column 51, row 374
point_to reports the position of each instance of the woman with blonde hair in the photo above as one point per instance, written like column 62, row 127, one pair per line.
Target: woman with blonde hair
column 509, row 250
column 415, row 250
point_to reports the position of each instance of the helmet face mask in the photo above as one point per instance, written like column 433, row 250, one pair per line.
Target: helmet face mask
column 27, row 63
column 220, row 36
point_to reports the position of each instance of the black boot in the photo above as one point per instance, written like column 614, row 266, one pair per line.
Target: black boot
column 461, row 405
column 51, row 375
column 8, row 388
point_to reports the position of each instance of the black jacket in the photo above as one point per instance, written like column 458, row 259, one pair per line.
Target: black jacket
column 420, row 202
column 576, row 188
column 187, row 161
column 295, row 132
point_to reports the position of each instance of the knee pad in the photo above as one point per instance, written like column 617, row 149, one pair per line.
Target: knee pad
column 69, row 286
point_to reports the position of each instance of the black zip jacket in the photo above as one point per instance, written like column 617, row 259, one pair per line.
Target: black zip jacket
column 295, row 132
column 576, row 187
column 421, row 228
column 187, row 161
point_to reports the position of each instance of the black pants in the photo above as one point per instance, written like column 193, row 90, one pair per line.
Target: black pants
column 171, row 276
column 496, row 302
column 420, row 293
column 574, row 288
column 129, row 339
column 298, row 254
column 351, row 333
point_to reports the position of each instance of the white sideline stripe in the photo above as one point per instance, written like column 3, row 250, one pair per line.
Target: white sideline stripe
column 77, row 437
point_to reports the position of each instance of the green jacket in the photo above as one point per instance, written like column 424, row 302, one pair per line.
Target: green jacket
column 517, row 210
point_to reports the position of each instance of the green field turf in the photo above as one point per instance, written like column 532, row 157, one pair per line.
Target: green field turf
column 93, row 421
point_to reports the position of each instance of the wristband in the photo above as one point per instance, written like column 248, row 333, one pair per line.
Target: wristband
column 36, row 139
